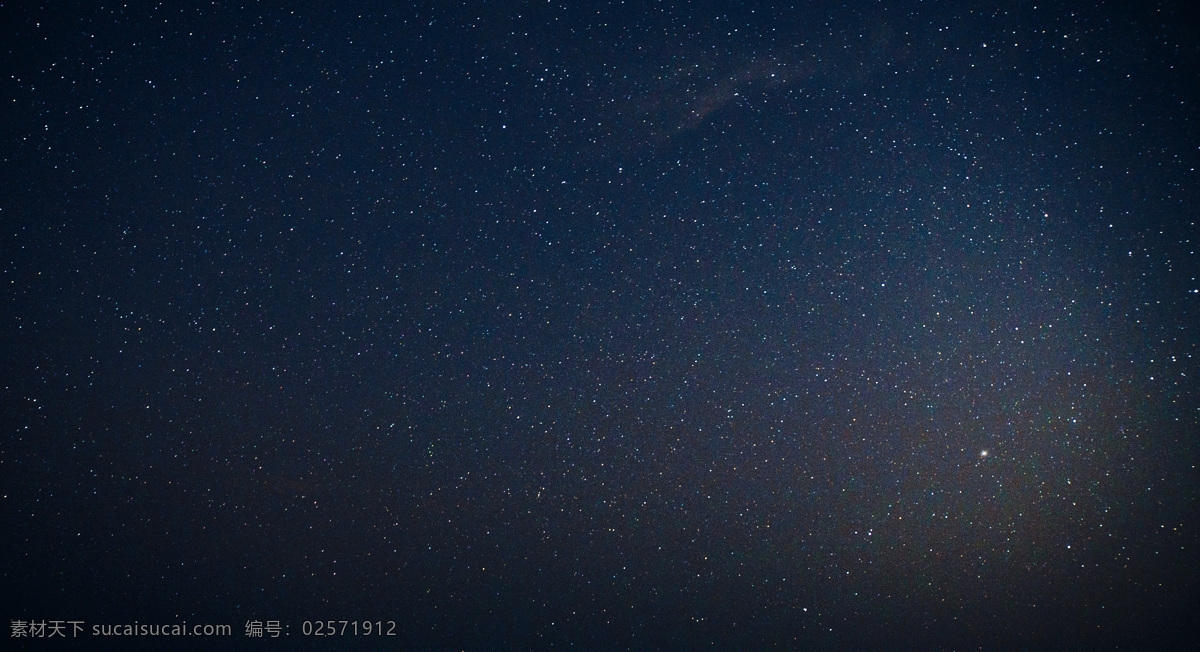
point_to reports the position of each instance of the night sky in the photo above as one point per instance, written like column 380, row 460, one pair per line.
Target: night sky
column 609, row 326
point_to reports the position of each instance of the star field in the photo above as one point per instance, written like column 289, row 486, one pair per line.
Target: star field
column 617, row 326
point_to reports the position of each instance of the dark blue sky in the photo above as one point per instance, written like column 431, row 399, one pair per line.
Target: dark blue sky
column 626, row 325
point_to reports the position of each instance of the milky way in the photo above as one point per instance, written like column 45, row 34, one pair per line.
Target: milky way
column 614, row 327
